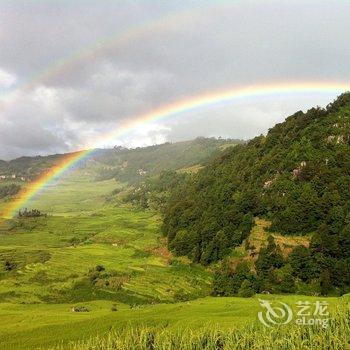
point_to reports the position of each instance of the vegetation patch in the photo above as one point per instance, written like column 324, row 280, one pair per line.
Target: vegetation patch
column 213, row 337
column 298, row 178
column 9, row 190
column 14, row 259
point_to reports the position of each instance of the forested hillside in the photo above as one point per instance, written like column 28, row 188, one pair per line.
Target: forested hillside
column 133, row 165
column 28, row 168
column 124, row 164
column 297, row 177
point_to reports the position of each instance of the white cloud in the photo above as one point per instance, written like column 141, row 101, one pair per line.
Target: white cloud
column 76, row 96
column 6, row 79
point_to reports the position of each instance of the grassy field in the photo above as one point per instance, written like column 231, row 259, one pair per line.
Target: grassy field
column 52, row 258
column 219, row 337
column 44, row 325
column 48, row 266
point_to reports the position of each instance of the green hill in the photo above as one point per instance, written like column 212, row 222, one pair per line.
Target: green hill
column 134, row 165
column 28, row 167
column 98, row 266
column 297, row 177
column 124, row 164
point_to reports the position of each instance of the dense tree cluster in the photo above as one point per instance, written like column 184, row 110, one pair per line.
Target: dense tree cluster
column 202, row 220
column 298, row 177
column 269, row 273
column 9, row 190
column 305, row 270
column 154, row 192
column 30, row 213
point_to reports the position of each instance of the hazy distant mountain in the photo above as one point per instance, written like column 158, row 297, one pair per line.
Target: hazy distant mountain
column 122, row 163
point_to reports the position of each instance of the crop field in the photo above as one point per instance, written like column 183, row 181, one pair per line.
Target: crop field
column 110, row 260
column 27, row 326
column 52, row 258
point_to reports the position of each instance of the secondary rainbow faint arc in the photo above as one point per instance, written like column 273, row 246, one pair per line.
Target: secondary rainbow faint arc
column 168, row 111
column 141, row 30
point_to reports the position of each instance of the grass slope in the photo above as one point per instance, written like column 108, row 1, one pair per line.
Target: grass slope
column 33, row 326
column 52, row 257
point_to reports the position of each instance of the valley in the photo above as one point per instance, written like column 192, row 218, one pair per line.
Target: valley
column 98, row 264
column 53, row 256
column 174, row 175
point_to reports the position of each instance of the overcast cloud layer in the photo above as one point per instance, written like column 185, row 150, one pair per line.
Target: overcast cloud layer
column 57, row 94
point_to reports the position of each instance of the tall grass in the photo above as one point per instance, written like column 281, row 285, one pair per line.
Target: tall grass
column 255, row 337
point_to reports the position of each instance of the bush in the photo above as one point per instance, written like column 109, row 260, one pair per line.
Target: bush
column 181, row 295
column 9, row 265
column 9, row 190
column 228, row 280
column 246, row 290
column 100, row 268
column 80, row 309
column 33, row 213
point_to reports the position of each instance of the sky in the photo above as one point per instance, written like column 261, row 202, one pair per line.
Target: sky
column 72, row 71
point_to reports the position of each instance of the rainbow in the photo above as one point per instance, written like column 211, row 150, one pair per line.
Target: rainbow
column 196, row 103
column 141, row 30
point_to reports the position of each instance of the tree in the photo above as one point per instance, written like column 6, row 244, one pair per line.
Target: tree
column 269, row 258
column 216, row 249
column 246, row 290
column 227, row 279
column 181, row 244
column 301, row 263
column 298, row 177
column 286, row 282
column 9, row 265
column 325, row 282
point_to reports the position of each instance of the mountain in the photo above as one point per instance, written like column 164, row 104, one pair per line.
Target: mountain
column 28, row 168
column 133, row 165
column 297, row 177
column 124, row 164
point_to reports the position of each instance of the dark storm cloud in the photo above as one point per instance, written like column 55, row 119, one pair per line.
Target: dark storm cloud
column 191, row 48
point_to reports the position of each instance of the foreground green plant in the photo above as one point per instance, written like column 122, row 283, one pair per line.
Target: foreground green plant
column 256, row 337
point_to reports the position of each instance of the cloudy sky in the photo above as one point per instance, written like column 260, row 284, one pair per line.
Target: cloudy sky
column 71, row 71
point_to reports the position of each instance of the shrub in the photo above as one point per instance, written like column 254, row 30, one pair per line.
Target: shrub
column 33, row 213
column 80, row 309
column 9, row 265
column 9, row 190
column 246, row 290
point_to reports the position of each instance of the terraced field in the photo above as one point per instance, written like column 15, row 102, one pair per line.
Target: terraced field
column 32, row 326
column 93, row 254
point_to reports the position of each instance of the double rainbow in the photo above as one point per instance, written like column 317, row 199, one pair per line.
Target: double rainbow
column 147, row 28
column 173, row 110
